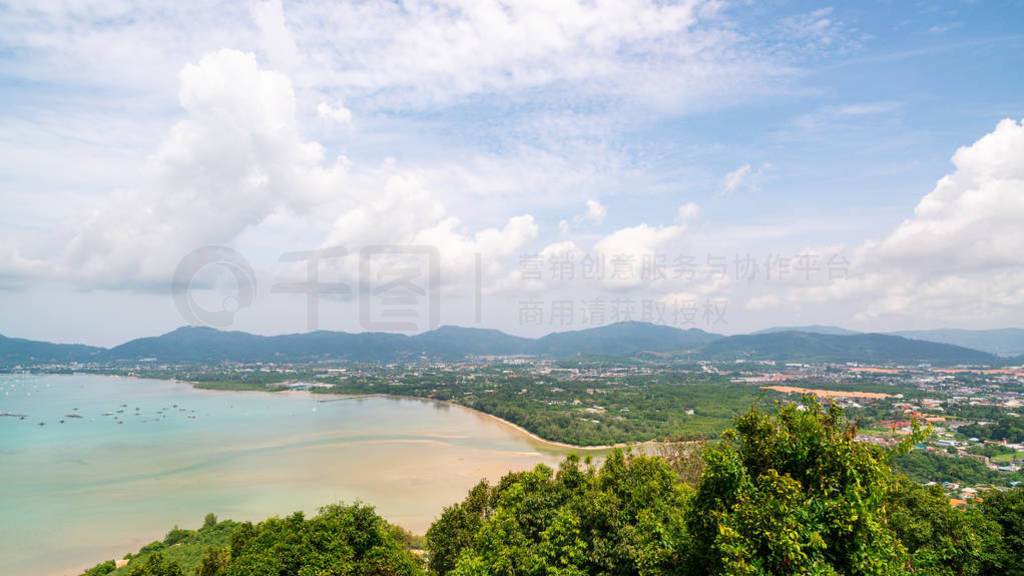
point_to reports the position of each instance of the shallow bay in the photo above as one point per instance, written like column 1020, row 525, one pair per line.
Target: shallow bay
column 144, row 455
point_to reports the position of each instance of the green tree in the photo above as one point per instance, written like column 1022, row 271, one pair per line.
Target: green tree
column 215, row 560
column 101, row 569
column 457, row 527
column 155, row 565
column 942, row 540
column 793, row 493
column 340, row 540
column 1007, row 510
column 623, row 518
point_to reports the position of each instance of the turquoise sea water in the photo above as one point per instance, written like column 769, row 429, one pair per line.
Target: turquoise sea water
column 146, row 455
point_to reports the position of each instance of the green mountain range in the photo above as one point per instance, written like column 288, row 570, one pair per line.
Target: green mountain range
column 200, row 345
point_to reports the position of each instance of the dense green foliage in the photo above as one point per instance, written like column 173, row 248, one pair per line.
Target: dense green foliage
column 1005, row 427
column 625, row 517
column 101, row 569
column 945, row 540
column 922, row 466
column 630, row 409
column 791, row 493
column 1007, row 510
column 339, row 541
column 183, row 548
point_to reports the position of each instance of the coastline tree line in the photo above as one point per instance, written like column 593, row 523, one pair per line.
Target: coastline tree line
column 783, row 493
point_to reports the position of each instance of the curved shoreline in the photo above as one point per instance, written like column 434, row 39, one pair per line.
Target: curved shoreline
column 539, row 439
column 531, row 435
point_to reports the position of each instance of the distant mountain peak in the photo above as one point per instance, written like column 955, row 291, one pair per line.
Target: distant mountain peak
column 809, row 329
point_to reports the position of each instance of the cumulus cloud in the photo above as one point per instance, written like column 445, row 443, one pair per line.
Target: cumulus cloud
column 233, row 159
column 632, row 245
column 404, row 211
column 594, row 214
column 960, row 257
column 234, row 162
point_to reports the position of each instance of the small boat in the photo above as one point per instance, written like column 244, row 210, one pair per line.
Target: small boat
column 42, row 423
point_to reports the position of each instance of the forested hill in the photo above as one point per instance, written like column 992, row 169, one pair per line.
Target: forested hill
column 624, row 339
column 21, row 351
column 864, row 348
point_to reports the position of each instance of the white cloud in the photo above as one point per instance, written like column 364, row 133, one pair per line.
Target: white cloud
column 763, row 302
column 960, row 257
column 633, row 244
column 733, row 180
column 746, row 178
column 278, row 43
column 235, row 162
column 414, row 54
column 437, row 51
column 563, row 227
column 404, row 211
column 337, row 113
column 234, row 158
column 595, row 212
column 689, row 211
column 850, row 116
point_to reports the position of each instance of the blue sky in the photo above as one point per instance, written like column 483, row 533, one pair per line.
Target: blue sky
column 136, row 134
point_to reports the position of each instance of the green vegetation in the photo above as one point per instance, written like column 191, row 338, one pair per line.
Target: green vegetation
column 785, row 494
column 944, row 540
column 1007, row 510
column 183, row 548
column 340, row 540
column 591, row 411
column 922, row 466
column 822, row 348
column 625, row 517
column 610, row 405
column 782, row 493
column 1004, row 427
